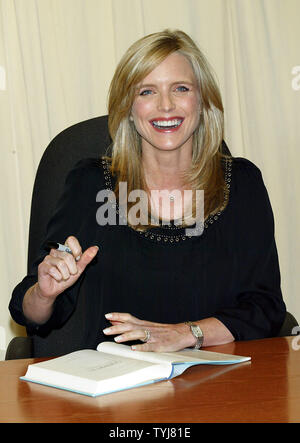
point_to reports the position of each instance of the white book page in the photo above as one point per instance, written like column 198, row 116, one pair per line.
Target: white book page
column 94, row 373
column 184, row 356
column 88, row 364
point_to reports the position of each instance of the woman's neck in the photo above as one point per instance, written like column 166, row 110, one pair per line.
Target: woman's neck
column 164, row 170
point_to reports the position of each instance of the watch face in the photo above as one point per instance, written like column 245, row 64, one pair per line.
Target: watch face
column 196, row 331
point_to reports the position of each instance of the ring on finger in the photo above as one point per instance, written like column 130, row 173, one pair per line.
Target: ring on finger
column 147, row 336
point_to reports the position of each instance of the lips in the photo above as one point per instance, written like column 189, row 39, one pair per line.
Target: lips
column 167, row 124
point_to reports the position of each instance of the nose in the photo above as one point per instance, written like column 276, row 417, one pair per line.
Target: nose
column 166, row 102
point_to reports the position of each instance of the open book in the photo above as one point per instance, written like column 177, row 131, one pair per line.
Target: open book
column 114, row 367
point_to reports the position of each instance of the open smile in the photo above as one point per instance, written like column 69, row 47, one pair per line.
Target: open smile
column 167, row 124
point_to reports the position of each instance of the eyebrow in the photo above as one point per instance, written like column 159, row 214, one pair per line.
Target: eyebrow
column 148, row 85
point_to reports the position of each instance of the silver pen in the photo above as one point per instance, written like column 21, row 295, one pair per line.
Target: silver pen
column 58, row 246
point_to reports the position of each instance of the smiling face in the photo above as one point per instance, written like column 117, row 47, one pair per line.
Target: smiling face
column 166, row 108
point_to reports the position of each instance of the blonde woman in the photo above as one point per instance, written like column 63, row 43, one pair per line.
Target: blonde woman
column 187, row 253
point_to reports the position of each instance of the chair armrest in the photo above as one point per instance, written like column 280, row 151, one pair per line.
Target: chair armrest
column 287, row 327
column 19, row 347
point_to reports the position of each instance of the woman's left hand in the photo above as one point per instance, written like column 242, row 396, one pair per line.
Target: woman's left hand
column 161, row 337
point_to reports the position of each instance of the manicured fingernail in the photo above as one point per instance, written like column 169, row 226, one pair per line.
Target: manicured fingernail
column 106, row 331
column 77, row 258
column 119, row 338
column 108, row 316
column 133, row 348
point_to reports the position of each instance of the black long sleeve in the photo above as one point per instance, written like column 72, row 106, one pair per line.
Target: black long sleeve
column 71, row 215
column 230, row 272
column 258, row 309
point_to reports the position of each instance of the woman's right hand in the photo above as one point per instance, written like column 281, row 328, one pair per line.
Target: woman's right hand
column 59, row 270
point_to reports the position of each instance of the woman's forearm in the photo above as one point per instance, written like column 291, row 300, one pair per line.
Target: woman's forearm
column 165, row 337
column 214, row 332
column 36, row 308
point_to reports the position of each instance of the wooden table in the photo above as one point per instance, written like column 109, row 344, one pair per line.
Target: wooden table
column 267, row 389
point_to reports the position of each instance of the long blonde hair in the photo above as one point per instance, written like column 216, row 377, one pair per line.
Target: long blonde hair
column 140, row 59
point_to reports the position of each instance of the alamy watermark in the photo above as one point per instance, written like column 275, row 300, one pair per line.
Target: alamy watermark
column 2, row 79
column 296, row 78
column 113, row 212
column 296, row 340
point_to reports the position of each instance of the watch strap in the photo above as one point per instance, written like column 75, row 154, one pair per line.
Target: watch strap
column 197, row 333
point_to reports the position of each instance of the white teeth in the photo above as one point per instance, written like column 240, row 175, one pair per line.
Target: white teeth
column 167, row 123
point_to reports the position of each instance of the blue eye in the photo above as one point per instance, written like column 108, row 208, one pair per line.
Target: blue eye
column 146, row 92
column 182, row 89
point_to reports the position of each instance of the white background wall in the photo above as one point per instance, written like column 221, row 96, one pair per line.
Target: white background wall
column 57, row 58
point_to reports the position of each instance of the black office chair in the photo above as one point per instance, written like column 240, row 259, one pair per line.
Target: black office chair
column 88, row 139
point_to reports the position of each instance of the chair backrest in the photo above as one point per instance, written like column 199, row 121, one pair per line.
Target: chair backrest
column 87, row 139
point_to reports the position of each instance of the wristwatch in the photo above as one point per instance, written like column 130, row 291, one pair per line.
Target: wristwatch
column 197, row 333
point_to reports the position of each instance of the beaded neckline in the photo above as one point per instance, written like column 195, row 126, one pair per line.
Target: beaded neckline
column 173, row 234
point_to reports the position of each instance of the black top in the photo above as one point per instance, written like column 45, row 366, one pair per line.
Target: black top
column 230, row 272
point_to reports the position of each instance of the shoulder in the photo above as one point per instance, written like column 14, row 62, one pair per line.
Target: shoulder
column 88, row 164
column 246, row 176
column 248, row 191
column 244, row 167
column 86, row 171
column 84, row 181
